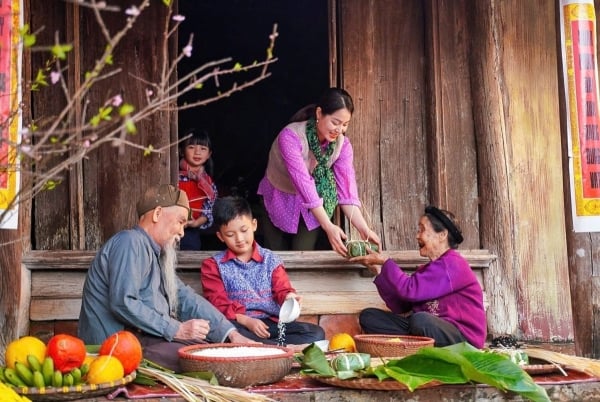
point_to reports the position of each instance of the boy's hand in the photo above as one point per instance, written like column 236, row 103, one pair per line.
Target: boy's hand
column 256, row 326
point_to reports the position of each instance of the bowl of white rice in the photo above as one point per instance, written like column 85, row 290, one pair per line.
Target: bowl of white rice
column 238, row 365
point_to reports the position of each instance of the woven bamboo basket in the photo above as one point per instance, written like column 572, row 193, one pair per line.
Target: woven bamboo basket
column 390, row 345
column 244, row 365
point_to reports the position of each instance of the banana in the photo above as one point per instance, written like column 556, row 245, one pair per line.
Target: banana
column 24, row 373
column 38, row 379
column 34, row 363
column 67, row 380
column 48, row 370
column 76, row 373
column 84, row 369
column 57, row 379
column 13, row 378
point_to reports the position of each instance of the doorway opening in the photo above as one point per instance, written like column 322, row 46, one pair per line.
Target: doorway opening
column 243, row 126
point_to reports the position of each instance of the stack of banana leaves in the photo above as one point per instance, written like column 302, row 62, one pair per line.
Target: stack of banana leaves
column 455, row 364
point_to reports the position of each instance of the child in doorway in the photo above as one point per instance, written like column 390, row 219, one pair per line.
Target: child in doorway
column 247, row 282
column 195, row 178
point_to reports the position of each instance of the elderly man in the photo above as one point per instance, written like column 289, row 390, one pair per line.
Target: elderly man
column 132, row 285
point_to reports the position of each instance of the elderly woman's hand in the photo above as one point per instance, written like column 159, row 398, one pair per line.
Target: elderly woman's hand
column 373, row 261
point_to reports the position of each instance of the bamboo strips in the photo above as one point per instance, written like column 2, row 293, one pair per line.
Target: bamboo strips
column 584, row 364
column 190, row 388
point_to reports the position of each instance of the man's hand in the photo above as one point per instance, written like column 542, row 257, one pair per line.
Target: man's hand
column 193, row 329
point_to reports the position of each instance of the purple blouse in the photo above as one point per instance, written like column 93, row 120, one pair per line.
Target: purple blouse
column 446, row 288
column 284, row 209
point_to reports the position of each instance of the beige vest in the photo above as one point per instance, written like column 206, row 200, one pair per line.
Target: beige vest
column 276, row 170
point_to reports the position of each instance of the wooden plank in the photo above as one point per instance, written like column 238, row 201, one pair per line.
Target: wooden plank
column 450, row 116
column 293, row 260
column 54, row 309
column 313, row 303
column 387, row 83
column 51, row 284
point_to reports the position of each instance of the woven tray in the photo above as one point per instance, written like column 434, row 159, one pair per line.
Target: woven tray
column 371, row 383
column 536, row 369
column 380, row 345
column 81, row 391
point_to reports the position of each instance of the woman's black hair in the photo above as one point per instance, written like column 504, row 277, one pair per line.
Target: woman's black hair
column 332, row 100
column 198, row 137
column 445, row 220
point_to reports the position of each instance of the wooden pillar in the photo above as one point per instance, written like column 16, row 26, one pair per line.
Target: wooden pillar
column 584, row 257
column 515, row 103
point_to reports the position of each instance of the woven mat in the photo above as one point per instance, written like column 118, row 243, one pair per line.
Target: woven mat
column 294, row 382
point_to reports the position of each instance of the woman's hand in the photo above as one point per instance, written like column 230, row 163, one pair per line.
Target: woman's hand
column 336, row 237
column 373, row 238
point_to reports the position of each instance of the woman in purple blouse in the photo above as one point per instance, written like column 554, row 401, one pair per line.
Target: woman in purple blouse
column 309, row 173
column 442, row 300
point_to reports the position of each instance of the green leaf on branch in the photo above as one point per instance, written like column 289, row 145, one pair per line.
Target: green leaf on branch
column 148, row 150
column 103, row 115
column 51, row 184
column 29, row 39
column 126, row 109
column 130, row 127
column 167, row 3
column 40, row 80
column 61, row 51
column 237, row 67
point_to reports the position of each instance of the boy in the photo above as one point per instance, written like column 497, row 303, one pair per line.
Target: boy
column 247, row 282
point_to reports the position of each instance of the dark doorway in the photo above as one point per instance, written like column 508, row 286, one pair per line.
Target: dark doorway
column 243, row 126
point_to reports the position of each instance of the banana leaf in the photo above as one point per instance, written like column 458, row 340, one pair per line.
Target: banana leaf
column 313, row 361
column 456, row 364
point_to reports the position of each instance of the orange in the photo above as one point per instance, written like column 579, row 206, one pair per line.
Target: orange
column 342, row 341
column 67, row 351
column 126, row 347
column 105, row 369
column 17, row 350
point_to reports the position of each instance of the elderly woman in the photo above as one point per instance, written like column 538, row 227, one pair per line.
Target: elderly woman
column 442, row 300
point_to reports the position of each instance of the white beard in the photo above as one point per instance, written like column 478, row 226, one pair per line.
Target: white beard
column 168, row 260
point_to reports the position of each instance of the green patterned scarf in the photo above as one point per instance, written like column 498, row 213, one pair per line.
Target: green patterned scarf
column 323, row 175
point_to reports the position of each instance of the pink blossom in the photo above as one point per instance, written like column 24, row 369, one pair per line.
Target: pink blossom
column 149, row 92
column 86, row 143
column 188, row 50
column 133, row 11
column 179, row 18
column 54, row 77
column 116, row 100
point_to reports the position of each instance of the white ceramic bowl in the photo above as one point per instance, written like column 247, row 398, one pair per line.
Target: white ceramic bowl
column 290, row 310
column 323, row 345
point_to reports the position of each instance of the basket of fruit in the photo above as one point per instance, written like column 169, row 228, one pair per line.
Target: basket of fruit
column 63, row 370
column 238, row 365
column 390, row 345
